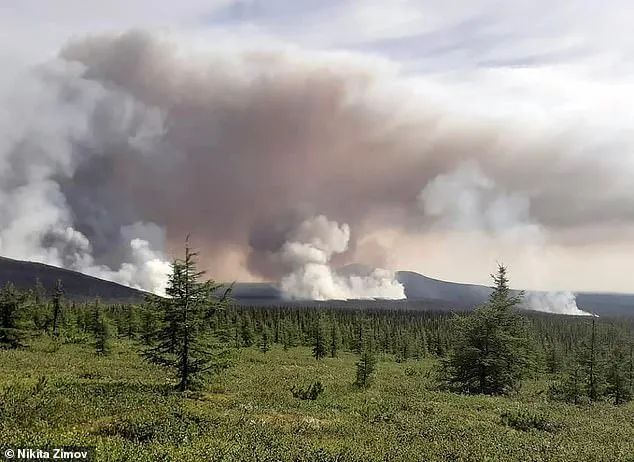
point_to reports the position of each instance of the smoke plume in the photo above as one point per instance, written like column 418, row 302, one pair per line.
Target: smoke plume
column 308, row 253
column 113, row 152
column 469, row 201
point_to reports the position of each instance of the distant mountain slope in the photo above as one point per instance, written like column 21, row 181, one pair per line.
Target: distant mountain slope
column 607, row 304
column 419, row 287
column 256, row 291
column 77, row 286
column 422, row 292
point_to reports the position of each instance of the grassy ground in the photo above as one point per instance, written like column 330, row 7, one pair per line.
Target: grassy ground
column 128, row 410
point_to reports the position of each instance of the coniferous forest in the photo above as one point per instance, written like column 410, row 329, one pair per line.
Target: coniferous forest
column 194, row 376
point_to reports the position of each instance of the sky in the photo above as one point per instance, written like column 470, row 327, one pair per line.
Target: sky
column 467, row 133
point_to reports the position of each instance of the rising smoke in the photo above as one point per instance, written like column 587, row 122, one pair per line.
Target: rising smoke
column 308, row 253
column 469, row 201
column 113, row 152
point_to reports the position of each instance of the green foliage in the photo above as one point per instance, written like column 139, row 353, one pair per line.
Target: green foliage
column 319, row 340
column 149, row 324
column 12, row 328
column 492, row 351
column 24, row 403
column 126, row 407
column 586, row 376
column 102, row 332
column 174, row 425
column 57, row 306
column 527, row 419
column 570, row 388
column 247, row 333
column 182, row 344
column 553, row 359
column 591, row 361
column 265, row 340
column 311, row 392
column 619, row 386
column 365, row 368
column 335, row 339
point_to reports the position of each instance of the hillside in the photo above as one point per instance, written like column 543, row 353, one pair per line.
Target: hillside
column 419, row 287
column 77, row 286
column 422, row 292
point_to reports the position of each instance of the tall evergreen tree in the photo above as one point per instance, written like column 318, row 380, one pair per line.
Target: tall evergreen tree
column 39, row 308
column 618, row 387
column 365, row 367
column 335, row 339
column 149, row 323
column 12, row 329
column 360, row 336
column 246, row 333
column 570, row 388
column 591, row 360
column 101, row 331
column 492, row 352
column 553, row 359
column 182, row 345
column 57, row 306
column 265, row 340
column 319, row 340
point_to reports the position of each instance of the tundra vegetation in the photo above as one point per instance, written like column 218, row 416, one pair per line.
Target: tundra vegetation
column 193, row 376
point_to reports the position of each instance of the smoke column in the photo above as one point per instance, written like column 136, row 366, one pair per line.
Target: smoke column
column 308, row 253
column 468, row 201
column 47, row 133
column 115, row 150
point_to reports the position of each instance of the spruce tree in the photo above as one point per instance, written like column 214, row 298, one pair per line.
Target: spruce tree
column 492, row 352
column 246, row 333
column 590, row 358
column 319, row 340
column 102, row 332
column 265, row 340
column 149, row 323
column 618, row 387
column 553, row 359
column 130, row 322
column 182, row 345
column 360, row 336
column 12, row 329
column 39, row 308
column 57, row 306
column 570, row 388
column 423, row 344
column 365, row 367
column 335, row 339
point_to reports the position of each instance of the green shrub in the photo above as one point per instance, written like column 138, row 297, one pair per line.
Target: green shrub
column 526, row 420
column 311, row 393
column 173, row 426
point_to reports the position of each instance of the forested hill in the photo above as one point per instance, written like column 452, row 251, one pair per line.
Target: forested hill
column 77, row 286
column 418, row 287
column 422, row 292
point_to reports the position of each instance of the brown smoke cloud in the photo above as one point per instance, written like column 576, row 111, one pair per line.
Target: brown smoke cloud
column 239, row 146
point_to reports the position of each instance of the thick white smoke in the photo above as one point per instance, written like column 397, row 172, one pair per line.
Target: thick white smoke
column 468, row 201
column 308, row 253
column 554, row 302
column 45, row 135
column 113, row 152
